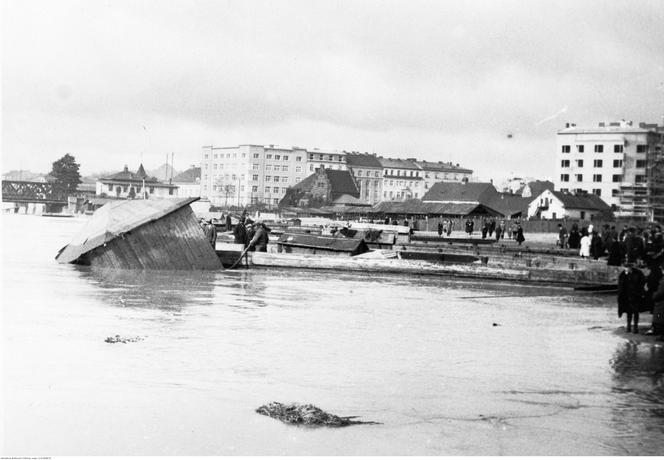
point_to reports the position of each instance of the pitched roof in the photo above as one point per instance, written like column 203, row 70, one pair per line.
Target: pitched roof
column 583, row 201
column 538, row 186
column 191, row 175
column 397, row 163
column 342, row 183
column 441, row 166
column 363, row 159
column 510, row 205
column 126, row 175
column 417, row 207
column 478, row 192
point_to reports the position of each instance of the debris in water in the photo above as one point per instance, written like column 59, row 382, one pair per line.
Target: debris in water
column 495, row 324
column 118, row 339
column 306, row 414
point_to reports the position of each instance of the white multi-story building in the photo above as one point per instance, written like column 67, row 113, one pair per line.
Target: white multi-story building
column 442, row 172
column 402, row 179
column 246, row 174
column 328, row 159
column 610, row 161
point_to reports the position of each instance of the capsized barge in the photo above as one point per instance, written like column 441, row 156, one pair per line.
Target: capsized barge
column 142, row 234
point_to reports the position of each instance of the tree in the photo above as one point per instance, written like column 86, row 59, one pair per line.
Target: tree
column 66, row 175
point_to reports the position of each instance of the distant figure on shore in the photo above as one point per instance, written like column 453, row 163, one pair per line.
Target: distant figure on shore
column 492, row 227
column 469, row 227
column 485, row 228
column 261, row 237
column 229, row 222
column 519, row 234
column 616, row 254
column 585, row 245
column 450, row 226
column 634, row 246
column 562, row 236
column 440, row 228
column 499, row 232
column 631, row 296
column 387, row 221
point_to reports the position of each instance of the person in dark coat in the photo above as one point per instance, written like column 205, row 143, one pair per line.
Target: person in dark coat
column 229, row 222
column 211, row 233
column 469, row 226
column 440, row 228
column 652, row 284
column 574, row 240
column 492, row 227
column 519, row 234
column 450, row 226
column 499, row 232
column 485, row 228
column 387, row 221
column 562, row 236
column 631, row 295
column 616, row 254
column 596, row 246
column 240, row 233
column 634, row 246
column 261, row 238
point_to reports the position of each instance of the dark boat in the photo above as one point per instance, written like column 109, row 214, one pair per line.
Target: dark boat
column 439, row 257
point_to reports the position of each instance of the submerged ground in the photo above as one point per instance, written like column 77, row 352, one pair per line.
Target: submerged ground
column 447, row 367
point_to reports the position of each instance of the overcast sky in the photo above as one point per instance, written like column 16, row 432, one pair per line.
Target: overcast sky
column 112, row 82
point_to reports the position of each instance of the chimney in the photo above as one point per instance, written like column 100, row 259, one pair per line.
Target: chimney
column 126, row 168
column 566, row 125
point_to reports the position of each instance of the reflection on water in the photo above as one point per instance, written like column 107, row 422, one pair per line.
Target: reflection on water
column 450, row 367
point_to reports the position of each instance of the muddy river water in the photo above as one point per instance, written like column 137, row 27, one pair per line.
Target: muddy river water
column 448, row 367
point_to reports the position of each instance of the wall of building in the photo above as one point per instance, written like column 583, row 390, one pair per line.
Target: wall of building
column 122, row 189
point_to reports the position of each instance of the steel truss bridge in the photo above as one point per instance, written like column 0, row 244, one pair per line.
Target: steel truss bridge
column 32, row 192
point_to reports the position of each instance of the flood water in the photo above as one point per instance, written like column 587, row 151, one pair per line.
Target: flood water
column 420, row 355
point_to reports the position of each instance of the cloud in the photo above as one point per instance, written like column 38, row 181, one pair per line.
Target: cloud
column 86, row 75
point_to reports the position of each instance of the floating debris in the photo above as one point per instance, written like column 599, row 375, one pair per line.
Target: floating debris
column 306, row 414
column 118, row 339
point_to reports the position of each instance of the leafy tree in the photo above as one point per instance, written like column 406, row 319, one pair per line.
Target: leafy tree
column 66, row 175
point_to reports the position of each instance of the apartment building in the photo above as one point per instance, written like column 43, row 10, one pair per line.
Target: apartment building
column 328, row 159
column 610, row 161
column 368, row 174
column 442, row 172
column 402, row 179
column 249, row 174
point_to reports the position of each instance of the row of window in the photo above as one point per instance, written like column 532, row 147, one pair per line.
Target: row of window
column 390, row 172
column 599, row 148
column 329, row 157
column 392, row 194
column 401, row 183
column 600, row 163
column 598, row 178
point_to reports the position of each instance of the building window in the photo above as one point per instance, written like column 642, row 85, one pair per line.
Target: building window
column 276, row 157
column 268, row 167
column 267, row 189
column 284, row 168
column 311, row 156
column 283, row 189
column 640, row 163
column 216, row 156
column 256, row 166
column 244, row 155
column 257, row 155
column 641, row 148
column 298, row 179
column 284, row 179
column 597, row 163
column 276, row 178
column 234, row 155
column 298, row 158
column 566, row 149
column 377, row 174
column 254, row 188
column 564, row 164
column 298, row 169
column 268, row 156
column 254, row 177
column 580, row 148
column 275, row 189
column 311, row 167
column 597, row 178
column 640, row 178
column 206, row 156
column 579, row 177
column 564, row 178
column 285, row 157
column 579, row 163
column 597, row 191
column 617, row 148
column 617, row 178
column 617, row 163
column 599, row 148
column 268, row 178
column 615, row 192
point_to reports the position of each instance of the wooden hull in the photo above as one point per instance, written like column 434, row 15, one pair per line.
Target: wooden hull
column 566, row 277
